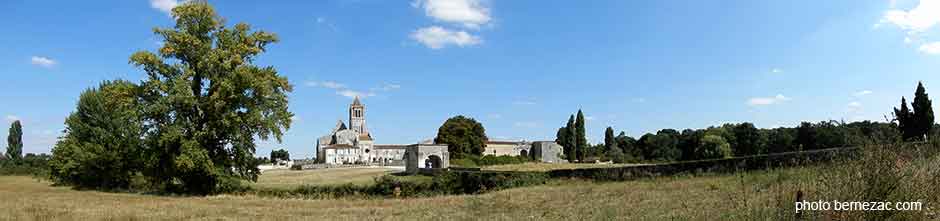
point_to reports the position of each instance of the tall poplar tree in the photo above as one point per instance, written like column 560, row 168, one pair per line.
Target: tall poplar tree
column 15, row 141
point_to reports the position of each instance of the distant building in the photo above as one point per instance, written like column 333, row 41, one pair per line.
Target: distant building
column 546, row 152
column 354, row 144
column 507, row 148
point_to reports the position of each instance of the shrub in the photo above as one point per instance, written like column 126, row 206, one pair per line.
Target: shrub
column 296, row 167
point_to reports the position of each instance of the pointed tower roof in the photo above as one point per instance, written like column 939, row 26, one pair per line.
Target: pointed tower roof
column 356, row 102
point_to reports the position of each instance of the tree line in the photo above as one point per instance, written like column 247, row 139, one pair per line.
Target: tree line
column 744, row 139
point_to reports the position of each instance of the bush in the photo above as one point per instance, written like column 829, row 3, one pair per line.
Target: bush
column 296, row 167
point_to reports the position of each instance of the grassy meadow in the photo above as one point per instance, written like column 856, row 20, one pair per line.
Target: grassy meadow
column 758, row 195
column 283, row 178
column 26, row 198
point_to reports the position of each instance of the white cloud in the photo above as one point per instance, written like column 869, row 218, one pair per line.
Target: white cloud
column 165, row 6
column 468, row 13
column 436, row 37
column 351, row 93
column 776, row 70
column 759, row 101
column 43, row 61
column 12, row 118
column 930, row 48
column 326, row 84
column 343, row 90
column 387, row 87
column 916, row 20
column 862, row 93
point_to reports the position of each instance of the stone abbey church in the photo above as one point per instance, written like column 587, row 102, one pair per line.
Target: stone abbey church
column 353, row 144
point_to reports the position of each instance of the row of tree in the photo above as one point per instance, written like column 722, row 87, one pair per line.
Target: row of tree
column 191, row 125
column 745, row 139
column 741, row 139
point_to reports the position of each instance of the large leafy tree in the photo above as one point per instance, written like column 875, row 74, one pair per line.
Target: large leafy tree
column 748, row 140
column 205, row 102
column 713, row 146
column 806, row 136
column 923, row 112
column 581, row 144
column 102, row 142
column 628, row 144
column 464, row 136
column 15, row 141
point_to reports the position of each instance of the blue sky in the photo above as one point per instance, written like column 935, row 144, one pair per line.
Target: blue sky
column 519, row 67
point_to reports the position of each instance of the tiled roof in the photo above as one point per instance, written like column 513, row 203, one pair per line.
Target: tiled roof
column 503, row 142
column 340, row 146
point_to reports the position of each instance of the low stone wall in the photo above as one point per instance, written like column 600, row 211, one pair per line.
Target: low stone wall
column 729, row 165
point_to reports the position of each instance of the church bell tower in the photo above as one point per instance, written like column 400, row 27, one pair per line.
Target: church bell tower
column 357, row 117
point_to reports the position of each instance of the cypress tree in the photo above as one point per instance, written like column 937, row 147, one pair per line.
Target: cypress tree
column 923, row 112
column 580, row 137
column 904, row 118
column 572, row 139
column 609, row 141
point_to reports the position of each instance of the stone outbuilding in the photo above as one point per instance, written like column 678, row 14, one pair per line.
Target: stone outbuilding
column 426, row 156
column 546, row 151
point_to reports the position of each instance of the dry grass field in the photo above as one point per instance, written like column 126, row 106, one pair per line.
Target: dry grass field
column 291, row 178
column 758, row 195
column 724, row 196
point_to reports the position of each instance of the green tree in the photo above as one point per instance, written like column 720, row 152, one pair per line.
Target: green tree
column 581, row 144
column 628, row 145
column 102, row 142
column 281, row 154
column 806, row 136
column 904, row 118
column 713, row 146
column 662, row 146
column 15, row 141
column 205, row 102
column 689, row 140
column 780, row 140
column 565, row 138
column 923, row 112
column 610, row 141
column 748, row 140
column 464, row 136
